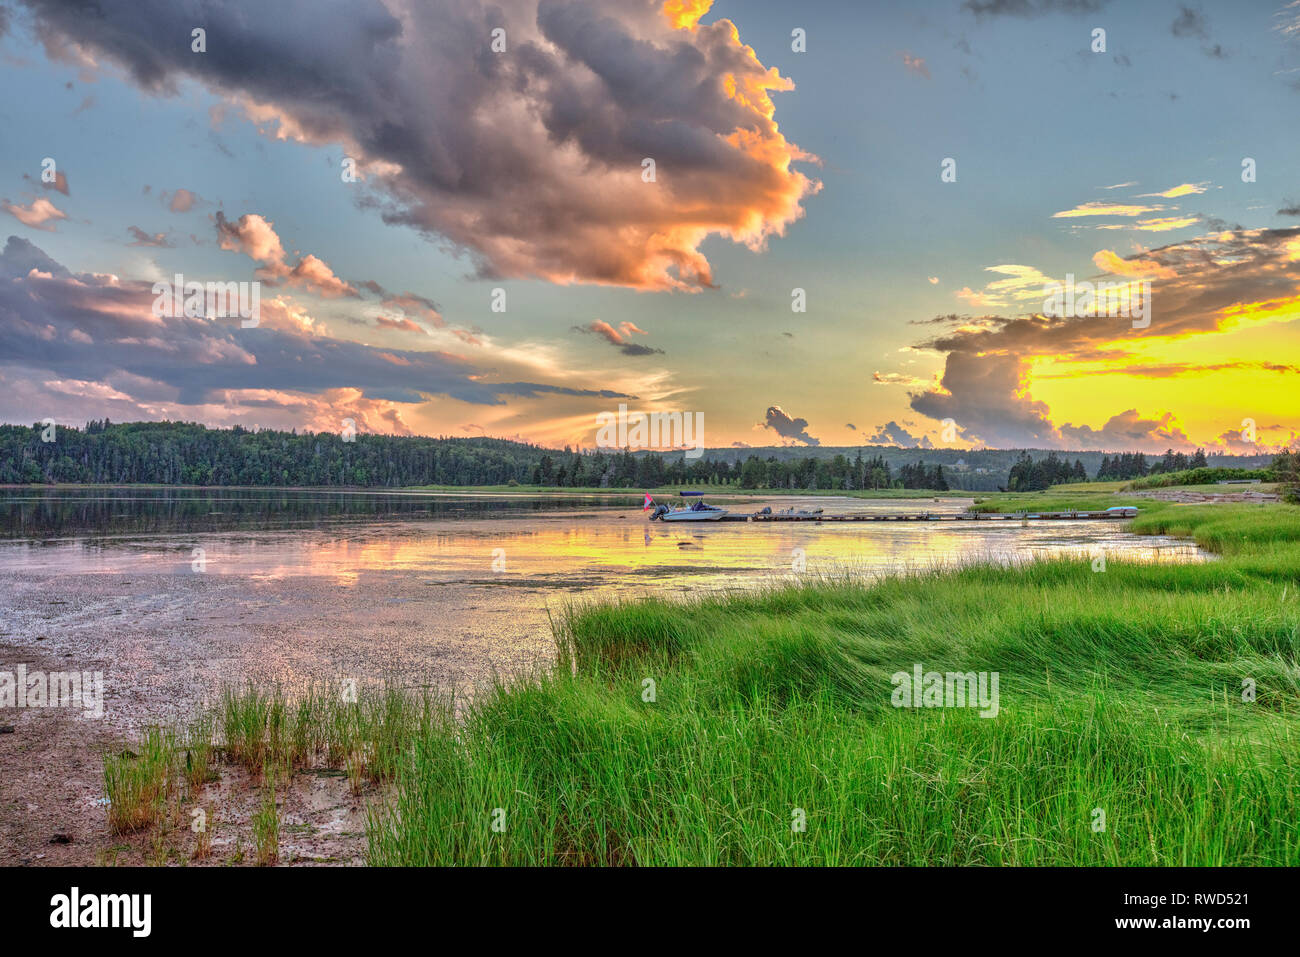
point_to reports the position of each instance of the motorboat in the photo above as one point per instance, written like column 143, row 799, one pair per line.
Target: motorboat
column 697, row 511
column 794, row 512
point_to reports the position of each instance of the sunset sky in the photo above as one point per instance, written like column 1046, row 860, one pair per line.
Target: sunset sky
column 775, row 169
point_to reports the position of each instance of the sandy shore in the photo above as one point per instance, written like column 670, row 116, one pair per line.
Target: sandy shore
column 52, row 809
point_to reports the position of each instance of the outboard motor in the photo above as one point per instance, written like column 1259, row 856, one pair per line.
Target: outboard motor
column 660, row 510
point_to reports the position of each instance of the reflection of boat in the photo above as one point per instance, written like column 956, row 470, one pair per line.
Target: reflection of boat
column 697, row 511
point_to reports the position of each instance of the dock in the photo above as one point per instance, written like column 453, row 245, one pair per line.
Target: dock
column 1111, row 514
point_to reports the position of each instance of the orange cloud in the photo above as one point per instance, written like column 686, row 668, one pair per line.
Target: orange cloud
column 399, row 325
column 1099, row 207
column 1164, row 225
column 1185, row 189
column 37, row 215
column 915, row 64
column 251, row 234
column 313, row 274
column 255, row 236
column 1107, row 261
column 685, row 14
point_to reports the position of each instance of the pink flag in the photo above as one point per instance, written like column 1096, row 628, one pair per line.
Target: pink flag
column 649, row 503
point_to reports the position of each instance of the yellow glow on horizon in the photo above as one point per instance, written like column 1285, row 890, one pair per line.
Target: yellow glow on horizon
column 1211, row 382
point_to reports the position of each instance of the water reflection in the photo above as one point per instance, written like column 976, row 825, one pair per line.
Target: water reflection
column 584, row 542
column 441, row 589
column 60, row 512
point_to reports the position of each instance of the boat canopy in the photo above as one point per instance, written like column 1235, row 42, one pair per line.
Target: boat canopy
column 690, row 493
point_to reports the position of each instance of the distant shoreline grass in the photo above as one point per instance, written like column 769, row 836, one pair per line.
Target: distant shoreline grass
column 757, row 728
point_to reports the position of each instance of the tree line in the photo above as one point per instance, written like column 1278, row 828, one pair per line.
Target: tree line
column 181, row 453
column 1131, row 465
column 1030, row 476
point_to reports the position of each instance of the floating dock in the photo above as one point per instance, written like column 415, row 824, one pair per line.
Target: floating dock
column 1110, row 513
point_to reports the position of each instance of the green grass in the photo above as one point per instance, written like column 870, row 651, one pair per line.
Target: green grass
column 266, row 822
column 325, row 726
column 369, row 735
column 137, row 783
column 198, row 752
column 243, row 724
column 1201, row 476
column 1120, row 692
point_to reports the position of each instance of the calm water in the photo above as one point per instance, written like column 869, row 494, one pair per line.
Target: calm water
column 173, row 592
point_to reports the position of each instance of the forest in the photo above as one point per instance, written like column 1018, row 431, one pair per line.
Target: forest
column 1132, row 465
column 176, row 453
column 180, row 453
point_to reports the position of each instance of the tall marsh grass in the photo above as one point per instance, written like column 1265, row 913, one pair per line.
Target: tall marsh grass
column 138, row 783
column 1124, row 736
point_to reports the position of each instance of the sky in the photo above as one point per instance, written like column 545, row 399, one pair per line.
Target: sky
column 807, row 224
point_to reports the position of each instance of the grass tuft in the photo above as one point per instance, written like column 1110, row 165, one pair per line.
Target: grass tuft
column 138, row 783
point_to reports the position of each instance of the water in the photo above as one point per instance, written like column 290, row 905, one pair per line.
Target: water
column 174, row 592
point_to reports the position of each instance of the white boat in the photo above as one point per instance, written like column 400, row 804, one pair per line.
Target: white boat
column 697, row 511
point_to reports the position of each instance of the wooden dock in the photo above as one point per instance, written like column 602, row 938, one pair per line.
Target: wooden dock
column 1108, row 514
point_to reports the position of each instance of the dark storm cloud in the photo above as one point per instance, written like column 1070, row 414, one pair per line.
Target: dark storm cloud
column 787, row 427
column 891, row 433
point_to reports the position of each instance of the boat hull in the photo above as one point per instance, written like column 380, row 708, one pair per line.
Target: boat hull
column 686, row 515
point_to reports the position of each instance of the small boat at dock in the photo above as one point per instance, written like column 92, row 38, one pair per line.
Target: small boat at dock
column 697, row 511
column 800, row 512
